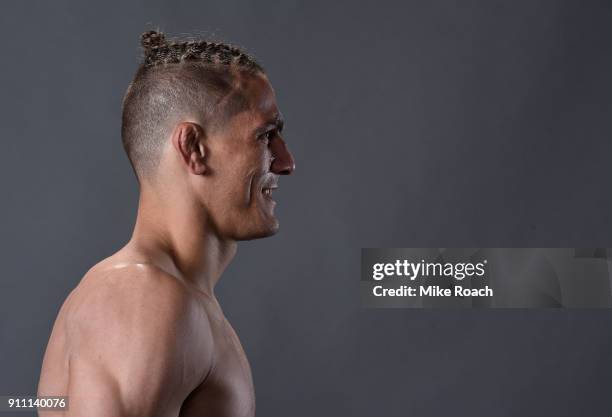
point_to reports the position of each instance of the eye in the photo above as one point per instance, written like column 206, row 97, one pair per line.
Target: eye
column 267, row 136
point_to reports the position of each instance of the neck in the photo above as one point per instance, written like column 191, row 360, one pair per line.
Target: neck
column 177, row 236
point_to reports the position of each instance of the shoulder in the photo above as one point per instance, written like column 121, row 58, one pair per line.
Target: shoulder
column 138, row 320
column 131, row 291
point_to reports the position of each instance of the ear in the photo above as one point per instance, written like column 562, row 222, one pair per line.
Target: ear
column 187, row 140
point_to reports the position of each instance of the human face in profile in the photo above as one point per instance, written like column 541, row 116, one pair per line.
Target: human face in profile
column 246, row 158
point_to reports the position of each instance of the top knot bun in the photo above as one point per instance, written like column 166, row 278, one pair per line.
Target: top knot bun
column 152, row 39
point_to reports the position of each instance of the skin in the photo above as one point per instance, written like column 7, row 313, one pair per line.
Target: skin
column 143, row 334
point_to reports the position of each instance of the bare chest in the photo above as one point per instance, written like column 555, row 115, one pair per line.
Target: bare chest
column 228, row 389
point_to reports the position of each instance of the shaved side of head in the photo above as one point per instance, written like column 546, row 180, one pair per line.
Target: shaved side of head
column 178, row 81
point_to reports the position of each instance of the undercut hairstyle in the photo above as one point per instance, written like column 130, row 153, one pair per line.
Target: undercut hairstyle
column 177, row 80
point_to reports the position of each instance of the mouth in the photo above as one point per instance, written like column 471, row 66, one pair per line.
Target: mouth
column 267, row 191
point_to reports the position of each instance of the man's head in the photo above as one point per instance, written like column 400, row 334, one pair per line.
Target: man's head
column 203, row 116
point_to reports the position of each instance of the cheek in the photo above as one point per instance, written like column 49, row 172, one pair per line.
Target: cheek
column 237, row 183
column 237, row 172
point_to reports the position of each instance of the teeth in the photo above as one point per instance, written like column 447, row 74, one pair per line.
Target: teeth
column 267, row 191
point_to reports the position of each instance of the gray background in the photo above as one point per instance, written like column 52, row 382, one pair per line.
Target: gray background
column 415, row 124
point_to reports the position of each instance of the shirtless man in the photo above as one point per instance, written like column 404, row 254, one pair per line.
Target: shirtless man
column 142, row 334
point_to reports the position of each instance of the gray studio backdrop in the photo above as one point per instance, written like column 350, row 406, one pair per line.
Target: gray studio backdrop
column 413, row 124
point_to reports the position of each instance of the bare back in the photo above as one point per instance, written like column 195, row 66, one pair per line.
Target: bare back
column 131, row 339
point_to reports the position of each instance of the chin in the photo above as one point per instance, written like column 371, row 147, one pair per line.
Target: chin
column 260, row 233
column 256, row 222
column 265, row 227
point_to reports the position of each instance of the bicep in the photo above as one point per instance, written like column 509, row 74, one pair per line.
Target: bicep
column 93, row 392
column 97, row 389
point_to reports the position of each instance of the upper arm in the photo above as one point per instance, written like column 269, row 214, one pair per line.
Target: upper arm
column 138, row 346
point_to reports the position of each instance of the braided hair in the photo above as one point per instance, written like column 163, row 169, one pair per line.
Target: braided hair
column 178, row 79
column 158, row 52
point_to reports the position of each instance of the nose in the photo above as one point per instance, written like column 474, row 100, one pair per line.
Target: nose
column 282, row 162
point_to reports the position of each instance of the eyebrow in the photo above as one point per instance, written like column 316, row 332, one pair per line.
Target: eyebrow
column 276, row 122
